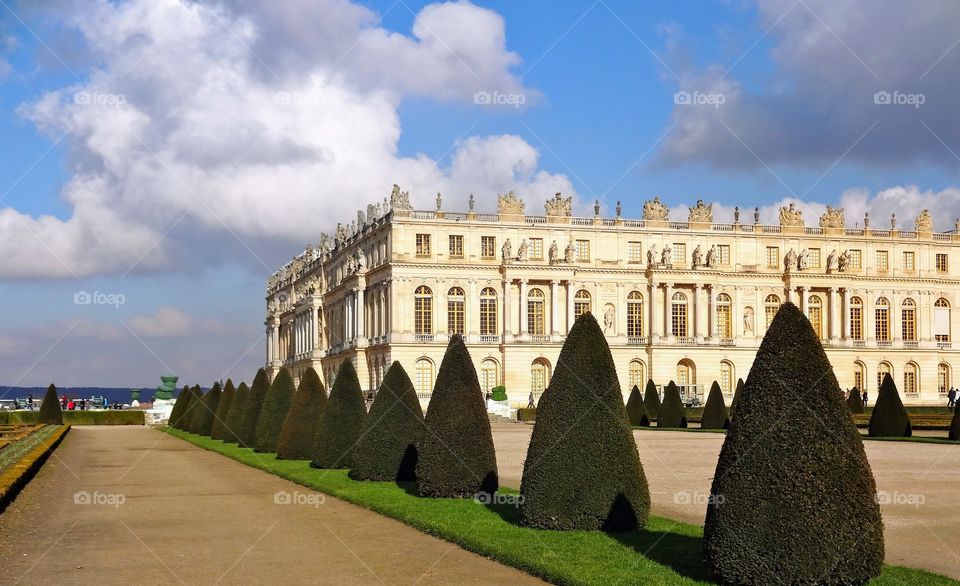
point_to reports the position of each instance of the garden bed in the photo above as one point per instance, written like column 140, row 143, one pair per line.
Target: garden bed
column 21, row 459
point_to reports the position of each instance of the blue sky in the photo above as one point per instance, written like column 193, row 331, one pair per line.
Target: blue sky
column 388, row 87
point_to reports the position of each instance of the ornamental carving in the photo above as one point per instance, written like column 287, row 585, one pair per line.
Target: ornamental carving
column 791, row 216
column 559, row 206
column 701, row 213
column 924, row 222
column 832, row 218
column 655, row 209
column 400, row 201
column 509, row 204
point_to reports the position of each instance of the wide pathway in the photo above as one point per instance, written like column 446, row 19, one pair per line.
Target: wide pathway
column 132, row 505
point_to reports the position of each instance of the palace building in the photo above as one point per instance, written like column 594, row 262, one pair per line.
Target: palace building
column 683, row 301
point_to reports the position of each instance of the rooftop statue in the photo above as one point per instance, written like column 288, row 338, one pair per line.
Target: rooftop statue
column 508, row 204
column 341, row 234
column 832, row 218
column 655, row 209
column 559, row 206
column 701, row 213
column 791, row 216
column 400, row 201
column 924, row 222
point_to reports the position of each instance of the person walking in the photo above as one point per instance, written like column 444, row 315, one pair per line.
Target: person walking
column 30, row 401
column 864, row 398
column 952, row 397
column 530, row 403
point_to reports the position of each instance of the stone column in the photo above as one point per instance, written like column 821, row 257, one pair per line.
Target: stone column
column 712, row 312
column 834, row 314
column 655, row 314
column 667, row 300
column 570, row 290
column 736, row 314
column 361, row 329
column 507, row 321
column 869, row 329
column 472, row 309
column 700, row 312
column 523, row 308
column 845, row 333
column 896, row 317
column 554, row 309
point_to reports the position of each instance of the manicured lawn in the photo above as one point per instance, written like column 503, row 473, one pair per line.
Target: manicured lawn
column 665, row 552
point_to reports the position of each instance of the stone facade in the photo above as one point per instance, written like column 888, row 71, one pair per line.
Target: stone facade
column 682, row 301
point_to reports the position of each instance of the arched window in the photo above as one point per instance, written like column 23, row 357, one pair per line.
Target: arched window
column 539, row 377
column 635, row 374
column 581, row 303
column 911, row 379
column 882, row 319
column 726, row 377
column 815, row 314
column 488, row 312
column 771, row 305
column 634, row 315
column 943, row 378
column 859, row 375
column 941, row 320
column 678, row 315
column 856, row 320
column 423, row 311
column 489, row 374
column 686, row 372
column 883, row 369
column 723, row 316
column 455, row 311
column 908, row 320
column 536, row 323
column 424, row 376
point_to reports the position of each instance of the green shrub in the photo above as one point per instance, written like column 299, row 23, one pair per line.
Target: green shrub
column 50, row 412
column 85, row 417
column 954, row 433
column 276, row 405
column 793, row 499
column 736, row 397
column 456, row 456
column 387, row 448
column 186, row 416
column 235, row 415
column 715, row 412
column 498, row 393
column 303, row 419
column 855, row 400
column 203, row 420
column 178, row 406
column 219, row 426
column 247, row 432
column 636, row 411
column 341, row 422
column 196, row 413
column 889, row 418
column 651, row 400
column 527, row 414
column 672, row 411
column 582, row 470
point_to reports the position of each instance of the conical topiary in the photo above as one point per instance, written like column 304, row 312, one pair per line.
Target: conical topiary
column 341, row 422
column 247, row 432
column 190, row 408
column 636, row 411
column 889, row 418
column 50, row 412
column 672, row 411
column 736, row 397
column 793, row 499
column 855, row 400
column 303, row 419
column 651, row 400
column 276, row 405
column 178, row 406
column 206, row 415
column 954, row 433
column 219, row 426
column 197, row 413
column 387, row 448
column 715, row 412
column 456, row 455
column 582, row 470
column 235, row 416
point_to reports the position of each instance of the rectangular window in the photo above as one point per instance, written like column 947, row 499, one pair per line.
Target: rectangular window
column 488, row 247
column 856, row 325
column 723, row 254
column 883, row 260
column 941, row 263
column 814, row 259
column 455, row 315
column 456, row 246
column 908, row 324
column 536, row 249
column 536, row 323
column 633, row 252
column 773, row 257
column 882, row 324
column 488, row 314
column 856, row 259
column 679, row 320
column 909, row 263
column 910, row 382
column 423, row 245
column 679, row 253
column 582, row 250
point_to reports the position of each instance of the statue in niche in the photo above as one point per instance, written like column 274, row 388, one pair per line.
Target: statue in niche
column 522, row 251
column 666, row 257
column 803, row 260
column 610, row 320
column 832, row 260
column 843, row 261
column 507, row 250
column 361, row 260
column 748, row 321
column 554, row 252
column 790, row 261
column 351, row 265
column 652, row 254
column 712, row 256
column 697, row 257
column 568, row 252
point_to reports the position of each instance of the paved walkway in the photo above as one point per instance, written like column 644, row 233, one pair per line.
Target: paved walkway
column 919, row 485
column 166, row 512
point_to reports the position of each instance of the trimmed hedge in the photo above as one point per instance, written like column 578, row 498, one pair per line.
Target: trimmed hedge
column 50, row 412
column 85, row 417
column 303, row 419
column 387, row 448
column 219, row 426
column 672, row 411
column 651, row 400
column 954, row 433
column 196, row 398
column 889, row 418
column 341, row 422
column 636, row 412
column 715, row 412
column 456, row 456
column 178, row 407
column 855, row 400
column 582, row 470
column 527, row 414
column 736, row 397
column 276, row 405
column 203, row 419
column 235, row 415
column 793, row 499
column 247, row 432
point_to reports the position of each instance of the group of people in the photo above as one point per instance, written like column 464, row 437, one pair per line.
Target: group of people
column 68, row 404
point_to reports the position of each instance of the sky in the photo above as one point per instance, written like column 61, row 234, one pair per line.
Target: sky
column 160, row 158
